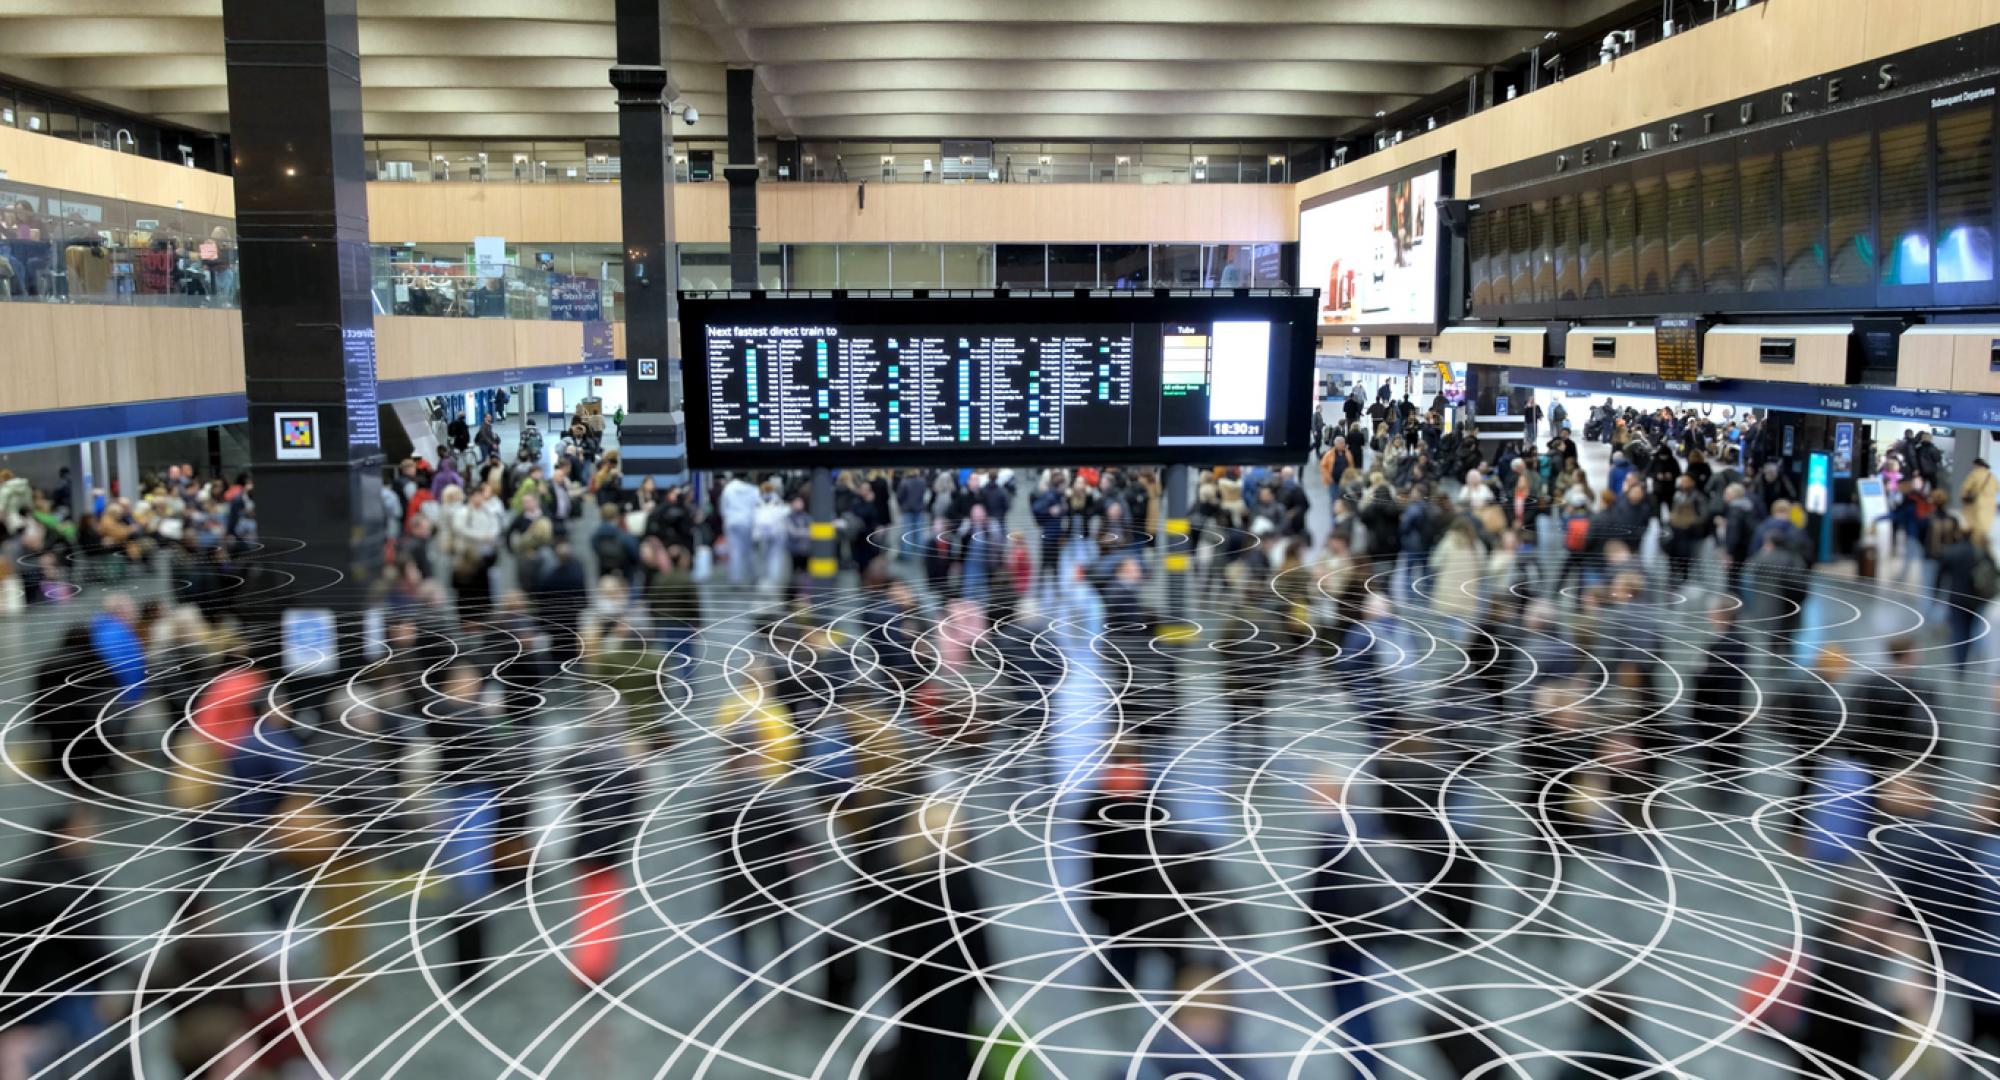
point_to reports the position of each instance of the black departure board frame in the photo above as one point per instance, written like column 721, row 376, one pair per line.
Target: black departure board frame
column 1291, row 313
column 1823, row 201
column 1677, row 342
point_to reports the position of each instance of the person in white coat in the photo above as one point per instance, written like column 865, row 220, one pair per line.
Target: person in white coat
column 739, row 509
column 769, row 528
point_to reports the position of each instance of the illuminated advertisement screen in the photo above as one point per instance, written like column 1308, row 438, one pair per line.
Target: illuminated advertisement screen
column 1375, row 253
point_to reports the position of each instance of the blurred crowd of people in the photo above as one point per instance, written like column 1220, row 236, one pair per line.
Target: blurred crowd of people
column 516, row 591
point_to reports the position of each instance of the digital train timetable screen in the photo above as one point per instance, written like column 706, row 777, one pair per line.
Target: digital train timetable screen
column 939, row 382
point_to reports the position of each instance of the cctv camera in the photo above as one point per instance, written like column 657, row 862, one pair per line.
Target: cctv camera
column 690, row 115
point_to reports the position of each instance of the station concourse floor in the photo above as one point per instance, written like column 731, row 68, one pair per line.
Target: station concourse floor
column 1664, row 913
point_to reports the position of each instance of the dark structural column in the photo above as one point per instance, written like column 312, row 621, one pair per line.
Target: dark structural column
column 651, row 440
column 308, row 322
column 741, row 172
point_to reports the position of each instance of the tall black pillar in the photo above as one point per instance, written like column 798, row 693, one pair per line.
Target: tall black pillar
column 650, row 439
column 308, row 325
column 741, row 172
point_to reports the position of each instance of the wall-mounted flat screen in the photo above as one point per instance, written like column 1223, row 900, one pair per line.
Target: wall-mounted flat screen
column 795, row 382
column 1376, row 251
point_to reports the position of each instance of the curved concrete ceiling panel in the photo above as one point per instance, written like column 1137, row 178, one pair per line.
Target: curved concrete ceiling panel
column 1110, row 69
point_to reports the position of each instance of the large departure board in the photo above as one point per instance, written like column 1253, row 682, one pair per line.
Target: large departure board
column 801, row 381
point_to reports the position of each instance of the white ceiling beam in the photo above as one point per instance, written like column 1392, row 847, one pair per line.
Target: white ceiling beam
column 716, row 18
column 1089, row 103
column 114, row 9
column 1540, row 14
column 425, row 72
column 157, row 73
column 215, row 99
column 1013, row 126
column 1322, row 77
column 1219, row 45
column 597, row 11
column 527, row 125
column 31, row 69
column 56, row 38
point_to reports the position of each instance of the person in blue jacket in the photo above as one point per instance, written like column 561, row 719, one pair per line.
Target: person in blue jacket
column 114, row 638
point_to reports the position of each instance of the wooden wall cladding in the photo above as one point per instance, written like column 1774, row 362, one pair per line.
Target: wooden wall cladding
column 1812, row 354
column 1963, row 358
column 1505, row 346
column 411, row 347
column 1632, row 350
column 835, row 214
column 71, row 355
column 30, row 158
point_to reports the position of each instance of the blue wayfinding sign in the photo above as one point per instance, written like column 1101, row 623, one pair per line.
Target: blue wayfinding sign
column 1872, row 402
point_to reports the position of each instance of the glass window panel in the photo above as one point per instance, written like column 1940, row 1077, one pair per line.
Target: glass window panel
column 1802, row 186
column 1116, row 162
column 864, row 266
column 1229, row 266
column 1167, row 163
column 968, row 266
column 1521, row 252
column 1622, row 227
column 402, row 159
column 771, row 266
column 914, row 266
column 1216, row 163
column 1544, row 253
column 510, row 161
column 1264, row 163
column 1719, row 245
column 704, row 266
column 1072, row 266
column 1590, row 243
column 866, row 161
column 1757, row 178
column 816, row 161
column 1021, row 266
column 457, row 160
column 1850, row 197
column 811, row 266
column 1014, row 159
column 1965, row 196
column 34, row 117
column 1649, row 197
column 1568, row 280
column 1276, row 265
column 1478, row 244
column 562, row 161
column 1177, row 265
column 1126, row 266
column 1683, row 232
